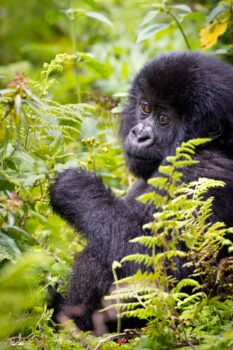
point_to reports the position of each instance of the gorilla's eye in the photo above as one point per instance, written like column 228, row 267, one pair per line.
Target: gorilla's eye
column 145, row 107
column 163, row 119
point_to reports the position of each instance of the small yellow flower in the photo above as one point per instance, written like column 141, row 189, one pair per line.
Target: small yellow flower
column 209, row 35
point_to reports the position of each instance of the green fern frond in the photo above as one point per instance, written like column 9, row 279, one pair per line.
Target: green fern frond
column 139, row 278
column 153, row 197
column 186, row 282
column 147, row 241
column 139, row 258
column 191, row 300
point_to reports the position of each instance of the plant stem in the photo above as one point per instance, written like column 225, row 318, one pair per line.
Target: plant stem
column 74, row 49
column 180, row 28
column 115, row 265
column 231, row 21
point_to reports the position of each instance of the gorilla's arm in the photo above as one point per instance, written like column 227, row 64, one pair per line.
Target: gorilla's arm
column 81, row 198
column 88, row 284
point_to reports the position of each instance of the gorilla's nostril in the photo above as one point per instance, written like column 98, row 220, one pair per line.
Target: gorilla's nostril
column 141, row 136
column 145, row 137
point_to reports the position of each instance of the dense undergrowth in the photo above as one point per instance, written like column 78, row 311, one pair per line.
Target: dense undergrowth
column 65, row 113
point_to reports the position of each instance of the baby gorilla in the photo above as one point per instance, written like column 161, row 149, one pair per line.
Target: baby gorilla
column 174, row 98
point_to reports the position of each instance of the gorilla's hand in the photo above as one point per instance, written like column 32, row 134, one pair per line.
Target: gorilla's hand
column 72, row 184
column 76, row 195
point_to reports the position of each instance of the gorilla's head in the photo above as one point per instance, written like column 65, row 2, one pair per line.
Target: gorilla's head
column 176, row 97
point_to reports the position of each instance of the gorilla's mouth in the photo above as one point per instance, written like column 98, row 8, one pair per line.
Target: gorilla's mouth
column 142, row 166
column 143, row 158
column 134, row 156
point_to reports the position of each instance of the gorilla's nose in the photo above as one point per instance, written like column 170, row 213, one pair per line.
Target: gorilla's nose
column 141, row 136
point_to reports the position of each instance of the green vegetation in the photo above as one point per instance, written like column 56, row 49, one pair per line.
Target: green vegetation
column 65, row 68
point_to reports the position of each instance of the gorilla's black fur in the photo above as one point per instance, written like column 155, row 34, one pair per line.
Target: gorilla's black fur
column 175, row 97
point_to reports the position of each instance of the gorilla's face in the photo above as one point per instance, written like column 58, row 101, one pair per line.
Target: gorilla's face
column 153, row 135
column 174, row 98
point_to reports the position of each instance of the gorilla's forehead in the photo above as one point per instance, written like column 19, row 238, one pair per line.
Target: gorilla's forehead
column 170, row 78
column 185, row 79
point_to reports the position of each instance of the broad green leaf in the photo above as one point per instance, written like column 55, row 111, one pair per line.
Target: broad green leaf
column 98, row 68
column 223, row 51
column 16, row 232
column 218, row 10
column 149, row 17
column 118, row 109
column 148, row 32
column 5, row 254
column 22, row 160
column 92, row 3
column 18, row 103
column 8, row 247
column 99, row 17
column 6, row 91
column 182, row 7
column 195, row 16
